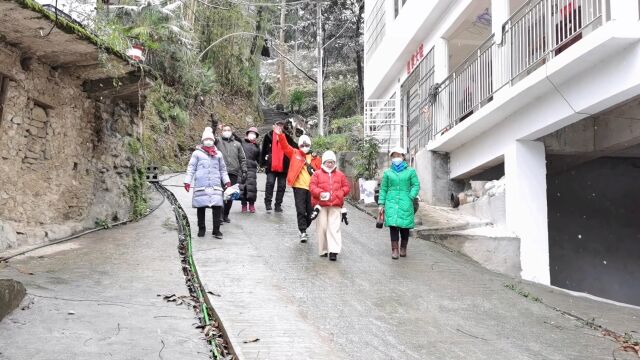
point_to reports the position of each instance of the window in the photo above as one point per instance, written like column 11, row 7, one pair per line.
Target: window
column 397, row 5
column 375, row 28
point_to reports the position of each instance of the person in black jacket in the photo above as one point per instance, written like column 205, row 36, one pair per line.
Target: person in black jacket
column 249, row 187
column 234, row 158
column 276, row 169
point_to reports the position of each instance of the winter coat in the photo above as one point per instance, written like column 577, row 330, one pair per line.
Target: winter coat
column 265, row 159
column 397, row 192
column 334, row 182
column 233, row 156
column 207, row 174
column 250, row 185
column 298, row 161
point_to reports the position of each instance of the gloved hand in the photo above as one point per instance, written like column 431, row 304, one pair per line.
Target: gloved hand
column 344, row 216
column 315, row 213
column 187, row 186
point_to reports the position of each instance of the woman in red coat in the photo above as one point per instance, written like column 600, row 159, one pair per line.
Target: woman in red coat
column 328, row 189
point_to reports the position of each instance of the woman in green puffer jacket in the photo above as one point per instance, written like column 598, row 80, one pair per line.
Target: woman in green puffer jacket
column 399, row 187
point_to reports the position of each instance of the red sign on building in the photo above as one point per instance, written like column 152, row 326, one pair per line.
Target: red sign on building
column 415, row 59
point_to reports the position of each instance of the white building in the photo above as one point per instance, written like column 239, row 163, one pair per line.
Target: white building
column 538, row 91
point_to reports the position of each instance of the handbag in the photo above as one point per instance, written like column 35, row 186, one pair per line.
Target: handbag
column 380, row 221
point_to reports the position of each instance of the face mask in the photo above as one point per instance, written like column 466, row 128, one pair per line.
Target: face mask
column 305, row 149
column 226, row 134
column 208, row 143
column 397, row 161
column 328, row 167
column 251, row 136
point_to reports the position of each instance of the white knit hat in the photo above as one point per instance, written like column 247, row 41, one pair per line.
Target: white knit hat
column 304, row 139
column 208, row 133
column 399, row 150
column 328, row 155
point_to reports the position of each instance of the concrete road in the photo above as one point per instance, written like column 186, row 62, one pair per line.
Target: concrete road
column 96, row 297
column 434, row 304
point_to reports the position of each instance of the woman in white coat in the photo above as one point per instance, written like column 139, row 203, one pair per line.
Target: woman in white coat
column 208, row 174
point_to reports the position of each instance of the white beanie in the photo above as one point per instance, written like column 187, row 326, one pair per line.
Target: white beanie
column 328, row 155
column 208, row 133
column 399, row 150
column 304, row 139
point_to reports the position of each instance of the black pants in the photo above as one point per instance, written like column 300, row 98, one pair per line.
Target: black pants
column 271, row 182
column 227, row 204
column 303, row 208
column 397, row 232
column 217, row 210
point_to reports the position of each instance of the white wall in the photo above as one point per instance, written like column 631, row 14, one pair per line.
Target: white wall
column 419, row 22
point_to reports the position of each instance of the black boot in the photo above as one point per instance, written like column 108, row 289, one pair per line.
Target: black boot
column 202, row 229
column 333, row 256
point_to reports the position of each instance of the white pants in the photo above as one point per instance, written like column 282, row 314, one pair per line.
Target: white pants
column 328, row 230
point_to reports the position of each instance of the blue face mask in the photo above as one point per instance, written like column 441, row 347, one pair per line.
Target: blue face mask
column 397, row 161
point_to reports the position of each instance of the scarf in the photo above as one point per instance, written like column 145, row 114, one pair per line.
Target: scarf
column 277, row 154
column 209, row 150
column 398, row 168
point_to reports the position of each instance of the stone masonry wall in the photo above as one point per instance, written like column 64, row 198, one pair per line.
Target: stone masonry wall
column 63, row 157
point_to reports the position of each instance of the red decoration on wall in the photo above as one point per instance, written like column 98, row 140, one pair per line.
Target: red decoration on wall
column 415, row 59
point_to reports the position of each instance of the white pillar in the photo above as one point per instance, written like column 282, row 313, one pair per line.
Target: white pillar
column 501, row 59
column 440, row 60
column 500, row 12
column 624, row 10
column 526, row 206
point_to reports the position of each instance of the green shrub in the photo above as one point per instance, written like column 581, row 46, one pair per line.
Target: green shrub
column 366, row 162
column 297, row 99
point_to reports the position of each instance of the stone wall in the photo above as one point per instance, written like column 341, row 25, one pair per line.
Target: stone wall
column 64, row 158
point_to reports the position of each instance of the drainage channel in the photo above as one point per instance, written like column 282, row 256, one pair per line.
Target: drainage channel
column 210, row 324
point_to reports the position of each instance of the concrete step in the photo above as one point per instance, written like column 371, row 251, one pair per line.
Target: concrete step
column 438, row 219
column 11, row 294
column 494, row 248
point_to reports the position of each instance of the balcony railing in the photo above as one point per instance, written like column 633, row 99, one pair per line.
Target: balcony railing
column 382, row 123
column 537, row 32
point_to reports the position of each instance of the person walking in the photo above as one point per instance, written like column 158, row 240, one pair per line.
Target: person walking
column 276, row 166
column 235, row 160
column 398, row 189
column 249, row 191
column 208, row 174
column 303, row 165
column 329, row 187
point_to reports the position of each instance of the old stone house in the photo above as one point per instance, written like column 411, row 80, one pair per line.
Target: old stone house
column 69, row 127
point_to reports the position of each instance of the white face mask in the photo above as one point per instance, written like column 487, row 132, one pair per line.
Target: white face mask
column 226, row 134
column 251, row 136
column 305, row 149
column 329, row 167
column 397, row 160
column 208, row 143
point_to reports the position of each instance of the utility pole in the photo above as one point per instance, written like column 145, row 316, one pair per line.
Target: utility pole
column 319, row 76
column 283, row 80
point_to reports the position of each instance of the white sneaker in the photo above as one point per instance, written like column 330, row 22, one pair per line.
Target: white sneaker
column 304, row 237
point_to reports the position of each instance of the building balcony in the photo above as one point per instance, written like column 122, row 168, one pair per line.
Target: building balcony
column 535, row 34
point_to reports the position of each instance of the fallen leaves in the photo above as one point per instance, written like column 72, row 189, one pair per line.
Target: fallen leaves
column 179, row 300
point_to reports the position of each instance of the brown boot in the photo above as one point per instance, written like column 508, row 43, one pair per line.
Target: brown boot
column 403, row 247
column 394, row 250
